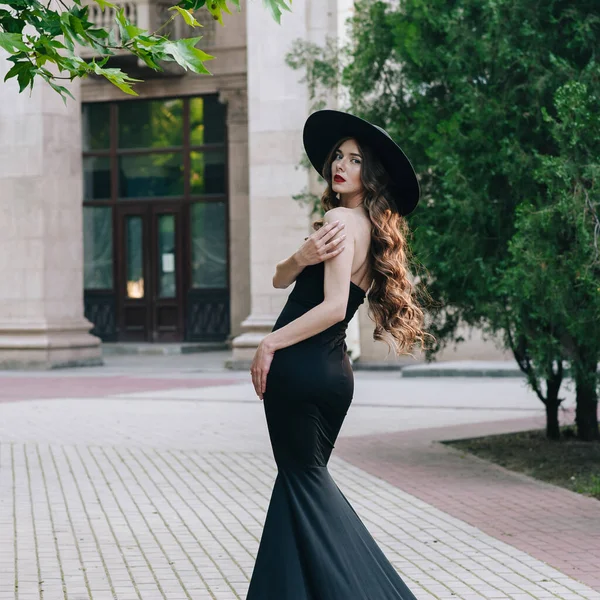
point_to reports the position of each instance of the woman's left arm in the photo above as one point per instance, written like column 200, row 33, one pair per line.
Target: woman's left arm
column 332, row 310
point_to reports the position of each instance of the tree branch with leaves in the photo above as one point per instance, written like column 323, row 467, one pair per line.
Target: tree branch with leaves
column 44, row 40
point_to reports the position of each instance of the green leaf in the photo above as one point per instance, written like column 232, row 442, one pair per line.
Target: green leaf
column 276, row 7
column 25, row 78
column 148, row 58
column 21, row 4
column 222, row 4
column 69, row 35
column 188, row 17
column 215, row 11
column 56, row 44
column 100, row 34
column 184, row 52
column 9, row 23
column 13, row 42
column 116, row 77
column 16, row 69
column 50, row 23
column 63, row 91
column 192, row 4
column 73, row 64
column 77, row 28
column 128, row 31
column 122, row 85
column 105, row 4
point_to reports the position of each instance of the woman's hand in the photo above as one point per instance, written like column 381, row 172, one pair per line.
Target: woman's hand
column 260, row 367
column 320, row 245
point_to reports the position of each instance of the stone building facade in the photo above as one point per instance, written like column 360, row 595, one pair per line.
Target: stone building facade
column 160, row 218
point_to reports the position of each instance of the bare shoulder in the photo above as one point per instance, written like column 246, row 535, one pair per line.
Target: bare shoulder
column 358, row 223
column 358, row 230
column 336, row 213
column 342, row 214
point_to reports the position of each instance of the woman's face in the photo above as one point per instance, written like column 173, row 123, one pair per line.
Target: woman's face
column 346, row 168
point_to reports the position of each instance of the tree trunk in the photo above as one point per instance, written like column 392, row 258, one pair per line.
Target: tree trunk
column 552, row 401
column 552, row 428
column 586, row 412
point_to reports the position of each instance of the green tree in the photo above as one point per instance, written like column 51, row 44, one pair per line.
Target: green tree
column 555, row 268
column 467, row 89
column 44, row 42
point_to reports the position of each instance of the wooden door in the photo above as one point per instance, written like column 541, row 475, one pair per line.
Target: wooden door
column 149, row 272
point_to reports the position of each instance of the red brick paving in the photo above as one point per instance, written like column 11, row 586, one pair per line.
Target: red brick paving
column 552, row 524
column 13, row 389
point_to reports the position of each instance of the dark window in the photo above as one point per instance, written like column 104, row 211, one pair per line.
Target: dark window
column 207, row 173
column 207, row 121
column 167, row 149
column 96, row 127
column 97, row 248
column 150, row 175
column 96, row 178
column 209, row 245
column 151, row 124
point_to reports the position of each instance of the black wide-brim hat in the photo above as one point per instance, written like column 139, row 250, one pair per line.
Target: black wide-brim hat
column 325, row 128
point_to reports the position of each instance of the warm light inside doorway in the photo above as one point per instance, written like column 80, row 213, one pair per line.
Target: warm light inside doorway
column 135, row 289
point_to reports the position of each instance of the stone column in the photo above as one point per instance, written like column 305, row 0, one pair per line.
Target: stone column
column 239, row 215
column 277, row 109
column 41, row 243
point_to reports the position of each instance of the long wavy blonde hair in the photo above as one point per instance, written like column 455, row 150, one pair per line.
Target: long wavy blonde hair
column 393, row 306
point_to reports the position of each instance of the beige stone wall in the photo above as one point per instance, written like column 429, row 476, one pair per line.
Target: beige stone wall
column 377, row 354
column 41, row 247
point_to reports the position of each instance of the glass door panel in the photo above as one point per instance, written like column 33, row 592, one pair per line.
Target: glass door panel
column 97, row 248
column 133, row 274
column 167, row 305
column 166, row 252
column 134, row 258
column 209, row 245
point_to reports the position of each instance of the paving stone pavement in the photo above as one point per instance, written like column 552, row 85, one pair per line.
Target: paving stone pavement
column 119, row 522
column 161, row 495
column 552, row 524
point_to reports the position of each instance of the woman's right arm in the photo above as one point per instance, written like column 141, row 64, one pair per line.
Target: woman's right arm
column 317, row 247
column 286, row 271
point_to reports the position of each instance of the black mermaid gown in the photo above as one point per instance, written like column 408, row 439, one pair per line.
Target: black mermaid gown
column 314, row 546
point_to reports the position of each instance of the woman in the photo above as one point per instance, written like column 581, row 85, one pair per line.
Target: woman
column 314, row 546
